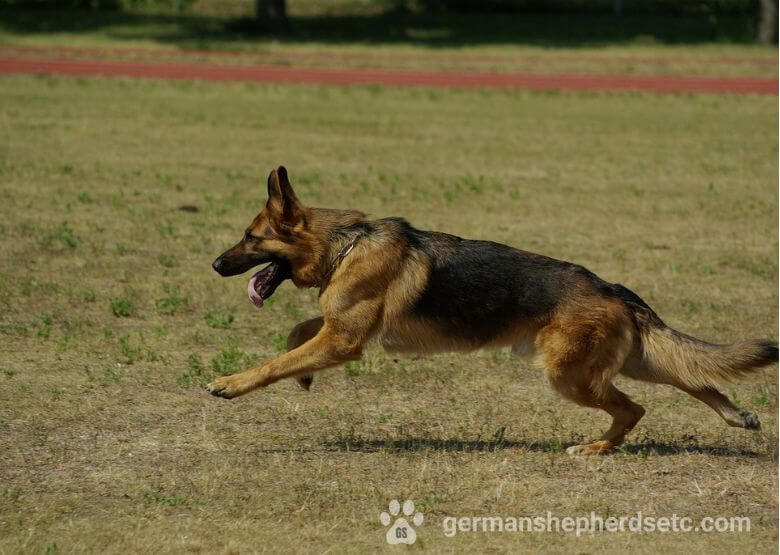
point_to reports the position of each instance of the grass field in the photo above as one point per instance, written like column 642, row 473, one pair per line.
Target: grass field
column 111, row 318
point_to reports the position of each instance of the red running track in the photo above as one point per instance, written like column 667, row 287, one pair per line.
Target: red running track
column 331, row 76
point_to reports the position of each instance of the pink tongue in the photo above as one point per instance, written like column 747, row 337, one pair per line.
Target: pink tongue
column 254, row 296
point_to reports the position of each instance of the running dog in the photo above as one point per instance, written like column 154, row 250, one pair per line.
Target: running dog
column 423, row 291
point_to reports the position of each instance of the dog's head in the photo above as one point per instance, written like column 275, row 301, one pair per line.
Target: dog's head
column 278, row 235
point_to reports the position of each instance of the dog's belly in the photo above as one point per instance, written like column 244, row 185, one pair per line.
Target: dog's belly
column 403, row 343
column 422, row 335
column 417, row 335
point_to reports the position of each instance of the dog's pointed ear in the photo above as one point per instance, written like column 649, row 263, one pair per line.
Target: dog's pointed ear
column 284, row 207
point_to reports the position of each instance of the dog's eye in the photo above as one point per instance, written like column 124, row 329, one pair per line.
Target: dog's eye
column 248, row 237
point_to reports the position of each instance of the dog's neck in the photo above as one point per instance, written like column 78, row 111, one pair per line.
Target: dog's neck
column 345, row 245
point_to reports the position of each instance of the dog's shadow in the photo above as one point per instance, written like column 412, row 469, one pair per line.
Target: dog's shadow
column 365, row 445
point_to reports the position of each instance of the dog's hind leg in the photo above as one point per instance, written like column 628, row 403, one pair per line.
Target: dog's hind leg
column 299, row 335
column 725, row 408
column 638, row 369
column 581, row 353
column 624, row 412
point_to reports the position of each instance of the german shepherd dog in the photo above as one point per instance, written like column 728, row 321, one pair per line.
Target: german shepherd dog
column 423, row 291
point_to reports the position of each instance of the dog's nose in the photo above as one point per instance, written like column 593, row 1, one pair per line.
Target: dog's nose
column 217, row 265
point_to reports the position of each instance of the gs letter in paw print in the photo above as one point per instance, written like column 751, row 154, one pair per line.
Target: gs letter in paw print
column 401, row 531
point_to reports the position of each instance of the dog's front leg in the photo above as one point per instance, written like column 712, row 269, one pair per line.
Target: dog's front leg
column 351, row 315
column 330, row 347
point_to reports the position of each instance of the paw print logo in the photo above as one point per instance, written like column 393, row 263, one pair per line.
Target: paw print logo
column 401, row 531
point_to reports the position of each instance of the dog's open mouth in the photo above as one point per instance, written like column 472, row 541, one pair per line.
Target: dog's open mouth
column 264, row 283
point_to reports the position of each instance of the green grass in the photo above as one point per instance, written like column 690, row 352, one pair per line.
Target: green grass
column 121, row 306
column 219, row 319
column 106, row 349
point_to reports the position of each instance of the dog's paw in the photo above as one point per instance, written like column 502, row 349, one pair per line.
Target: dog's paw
column 305, row 381
column 750, row 420
column 226, row 387
column 596, row 448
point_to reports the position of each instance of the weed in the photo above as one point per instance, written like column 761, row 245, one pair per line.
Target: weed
column 227, row 361
column 761, row 400
column 356, row 368
column 555, row 446
column 67, row 236
column 173, row 499
column 428, row 503
column 196, row 372
column 164, row 178
column 498, row 440
column 65, row 342
column 166, row 229
column 12, row 493
column 166, row 260
column 279, row 341
column 122, row 250
column 219, row 319
column 44, row 326
column 130, row 353
column 762, row 267
column 84, row 198
column 109, row 376
column 172, row 302
column 473, row 184
column 62, row 232
column 13, row 329
column 121, row 307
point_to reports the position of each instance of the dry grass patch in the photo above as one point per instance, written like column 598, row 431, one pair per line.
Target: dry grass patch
column 112, row 319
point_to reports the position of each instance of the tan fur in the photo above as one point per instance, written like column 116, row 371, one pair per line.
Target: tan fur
column 669, row 357
column 582, row 348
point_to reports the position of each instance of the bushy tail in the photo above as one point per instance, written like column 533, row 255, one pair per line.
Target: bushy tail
column 676, row 358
